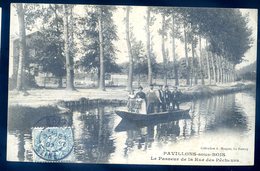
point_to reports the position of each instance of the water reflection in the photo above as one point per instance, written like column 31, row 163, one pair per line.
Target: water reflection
column 92, row 133
column 101, row 137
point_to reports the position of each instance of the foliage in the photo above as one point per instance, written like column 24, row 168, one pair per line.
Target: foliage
column 47, row 44
column 226, row 30
column 90, row 42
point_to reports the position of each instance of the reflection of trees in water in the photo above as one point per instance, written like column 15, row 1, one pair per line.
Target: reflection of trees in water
column 168, row 132
column 24, row 143
column 140, row 138
column 206, row 115
column 93, row 141
column 143, row 138
column 21, row 143
column 213, row 113
column 93, row 129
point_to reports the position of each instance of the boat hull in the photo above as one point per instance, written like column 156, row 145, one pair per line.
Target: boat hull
column 152, row 116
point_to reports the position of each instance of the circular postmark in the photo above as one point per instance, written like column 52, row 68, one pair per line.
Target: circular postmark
column 52, row 142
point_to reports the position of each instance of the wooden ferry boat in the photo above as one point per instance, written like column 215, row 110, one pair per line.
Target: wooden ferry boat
column 152, row 116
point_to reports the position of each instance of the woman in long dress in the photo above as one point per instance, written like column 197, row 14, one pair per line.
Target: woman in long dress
column 141, row 105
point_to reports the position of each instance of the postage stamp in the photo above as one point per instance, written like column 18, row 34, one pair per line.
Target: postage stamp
column 52, row 143
column 52, row 138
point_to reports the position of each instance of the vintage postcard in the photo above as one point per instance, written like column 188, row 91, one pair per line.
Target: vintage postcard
column 132, row 85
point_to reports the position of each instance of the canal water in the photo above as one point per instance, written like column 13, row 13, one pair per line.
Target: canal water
column 100, row 136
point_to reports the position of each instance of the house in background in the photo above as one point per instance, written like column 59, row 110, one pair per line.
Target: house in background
column 34, row 72
column 30, row 52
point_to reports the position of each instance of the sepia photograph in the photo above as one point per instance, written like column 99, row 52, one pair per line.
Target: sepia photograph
column 149, row 85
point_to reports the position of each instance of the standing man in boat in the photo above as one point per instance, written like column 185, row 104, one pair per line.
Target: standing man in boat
column 152, row 100
column 176, row 98
column 160, row 104
column 166, row 98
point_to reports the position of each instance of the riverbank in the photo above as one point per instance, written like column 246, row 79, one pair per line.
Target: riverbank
column 53, row 97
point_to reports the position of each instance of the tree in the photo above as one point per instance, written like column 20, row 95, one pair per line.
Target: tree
column 32, row 13
column 200, row 62
column 69, row 60
column 22, row 47
column 140, row 60
column 163, row 35
column 165, row 13
column 208, row 64
column 101, row 50
column 129, row 50
column 88, row 34
column 173, row 34
column 148, row 45
column 49, row 46
column 186, row 55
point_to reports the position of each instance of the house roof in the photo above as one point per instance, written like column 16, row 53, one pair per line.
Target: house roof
column 16, row 38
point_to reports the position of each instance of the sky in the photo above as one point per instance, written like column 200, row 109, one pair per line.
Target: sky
column 251, row 54
column 137, row 21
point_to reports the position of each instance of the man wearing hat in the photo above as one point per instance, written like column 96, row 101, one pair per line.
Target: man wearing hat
column 166, row 98
column 152, row 100
column 160, row 104
column 176, row 98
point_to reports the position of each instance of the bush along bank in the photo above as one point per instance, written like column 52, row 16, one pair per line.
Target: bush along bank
column 203, row 91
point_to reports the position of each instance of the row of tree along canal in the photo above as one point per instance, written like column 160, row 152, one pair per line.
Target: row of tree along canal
column 215, row 40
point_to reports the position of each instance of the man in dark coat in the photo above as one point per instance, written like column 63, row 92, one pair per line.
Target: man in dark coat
column 152, row 100
column 176, row 98
column 166, row 98
column 161, row 102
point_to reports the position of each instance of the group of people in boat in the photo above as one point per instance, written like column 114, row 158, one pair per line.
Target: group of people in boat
column 154, row 101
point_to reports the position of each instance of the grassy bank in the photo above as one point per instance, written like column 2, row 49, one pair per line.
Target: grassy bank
column 201, row 91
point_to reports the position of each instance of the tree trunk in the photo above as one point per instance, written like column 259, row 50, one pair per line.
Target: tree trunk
column 200, row 63
column 98, row 77
column 175, row 69
column 187, row 57
column 208, row 65
column 224, row 70
column 129, row 50
column 213, row 67
column 217, row 68
column 163, row 50
column 58, row 30
column 60, row 82
column 148, row 46
column 22, row 48
column 194, row 68
column 101, row 51
column 69, row 65
column 45, row 80
column 233, row 77
column 139, row 79
column 221, row 69
column 72, row 46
